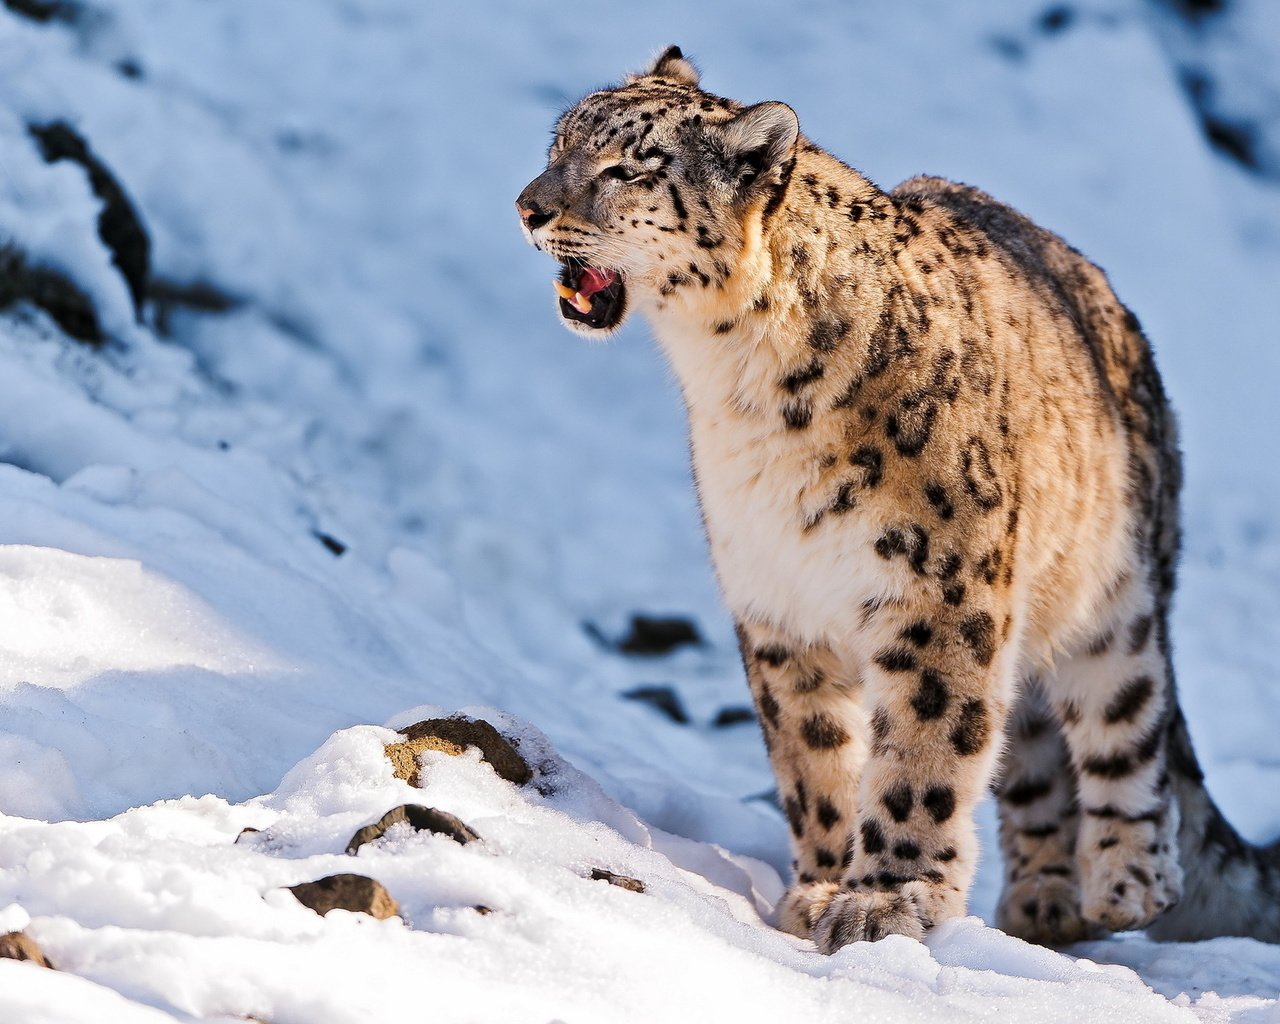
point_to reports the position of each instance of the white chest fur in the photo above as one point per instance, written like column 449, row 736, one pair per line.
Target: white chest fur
column 757, row 482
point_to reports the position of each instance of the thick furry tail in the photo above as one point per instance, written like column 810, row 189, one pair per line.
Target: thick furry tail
column 1230, row 886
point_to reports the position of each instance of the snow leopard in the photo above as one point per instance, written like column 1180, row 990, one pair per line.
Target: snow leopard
column 939, row 477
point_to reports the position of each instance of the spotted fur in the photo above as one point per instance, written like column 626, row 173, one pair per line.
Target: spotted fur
column 939, row 477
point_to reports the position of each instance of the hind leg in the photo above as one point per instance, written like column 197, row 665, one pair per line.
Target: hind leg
column 1114, row 698
column 1040, row 900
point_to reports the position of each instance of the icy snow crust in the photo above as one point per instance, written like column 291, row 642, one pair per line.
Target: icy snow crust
column 390, row 374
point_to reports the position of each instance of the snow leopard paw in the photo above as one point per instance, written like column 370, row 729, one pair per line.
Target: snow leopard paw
column 803, row 904
column 854, row 915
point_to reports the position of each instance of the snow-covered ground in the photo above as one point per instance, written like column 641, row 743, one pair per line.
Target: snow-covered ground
column 383, row 369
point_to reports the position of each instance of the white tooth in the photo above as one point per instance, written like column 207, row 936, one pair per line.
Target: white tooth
column 580, row 304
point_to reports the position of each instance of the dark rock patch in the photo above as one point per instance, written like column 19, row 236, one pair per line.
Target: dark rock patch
column 355, row 893
column 621, row 881
column 419, row 818
column 1234, row 139
column 119, row 223
column 49, row 290
column 770, row 798
column 168, row 297
column 1057, row 18
column 661, row 698
column 1193, row 10
column 21, row 946
column 453, row 736
column 45, row 11
column 650, row 635
column 726, row 717
column 335, row 546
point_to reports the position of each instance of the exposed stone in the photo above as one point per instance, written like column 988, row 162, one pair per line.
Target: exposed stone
column 250, row 830
column 726, row 717
column 661, row 698
column 621, row 881
column 50, row 290
column 419, row 818
column 119, row 223
column 657, row 634
column 335, row 546
column 21, row 946
column 452, row 736
column 45, row 11
column 169, row 297
column 356, row 893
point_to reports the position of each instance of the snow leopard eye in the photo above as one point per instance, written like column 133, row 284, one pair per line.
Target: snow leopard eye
column 623, row 173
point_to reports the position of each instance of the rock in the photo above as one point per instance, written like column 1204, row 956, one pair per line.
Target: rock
column 453, row 736
column 769, row 796
column 168, row 297
column 119, row 223
column 250, row 830
column 418, row 817
column 650, row 635
column 1057, row 18
column 50, row 290
column 621, row 881
column 654, row 635
column 356, row 893
column 662, row 698
column 726, row 717
column 45, row 11
column 21, row 946
column 335, row 546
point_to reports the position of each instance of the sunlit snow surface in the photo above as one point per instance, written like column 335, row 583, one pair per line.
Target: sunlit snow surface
column 391, row 375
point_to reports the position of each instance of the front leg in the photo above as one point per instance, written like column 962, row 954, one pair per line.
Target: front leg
column 815, row 729
column 936, row 692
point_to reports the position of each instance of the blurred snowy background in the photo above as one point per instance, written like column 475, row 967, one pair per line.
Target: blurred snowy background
column 291, row 441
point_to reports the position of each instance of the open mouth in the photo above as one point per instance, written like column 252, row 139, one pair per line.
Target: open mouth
column 590, row 296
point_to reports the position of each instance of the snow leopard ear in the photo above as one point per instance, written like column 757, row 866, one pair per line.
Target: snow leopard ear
column 759, row 140
column 672, row 63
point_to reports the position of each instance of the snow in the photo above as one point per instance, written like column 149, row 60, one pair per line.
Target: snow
column 181, row 657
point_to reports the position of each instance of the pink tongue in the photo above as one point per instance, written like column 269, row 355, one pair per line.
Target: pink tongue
column 593, row 280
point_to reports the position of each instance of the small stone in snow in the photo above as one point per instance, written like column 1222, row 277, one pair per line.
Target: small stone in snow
column 662, row 698
column 21, row 946
column 356, row 893
column 651, row 634
column 453, row 736
column 621, row 881
column 335, row 546
column 422, row 819
column 54, row 292
column 119, row 223
column 733, row 716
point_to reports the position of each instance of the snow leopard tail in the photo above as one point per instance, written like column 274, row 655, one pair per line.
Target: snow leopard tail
column 1231, row 887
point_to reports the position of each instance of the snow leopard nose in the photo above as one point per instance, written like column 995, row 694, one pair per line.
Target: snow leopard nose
column 533, row 215
column 543, row 199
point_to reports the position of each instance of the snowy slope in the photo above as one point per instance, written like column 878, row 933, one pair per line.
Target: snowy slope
column 380, row 367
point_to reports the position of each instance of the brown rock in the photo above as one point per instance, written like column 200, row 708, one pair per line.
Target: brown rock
column 659, row 634
column 21, row 946
column 356, row 893
column 621, row 881
column 423, row 819
column 452, row 736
